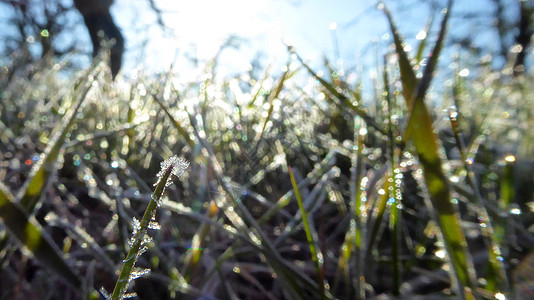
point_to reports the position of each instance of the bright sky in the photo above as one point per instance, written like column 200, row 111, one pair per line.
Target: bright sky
column 201, row 27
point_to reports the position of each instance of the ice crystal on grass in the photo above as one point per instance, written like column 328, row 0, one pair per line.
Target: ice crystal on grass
column 178, row 165
column 129, row 295
column 138, row 273
column 105, row 293
column 154, row 225
column 140, row 240
column 136, row 227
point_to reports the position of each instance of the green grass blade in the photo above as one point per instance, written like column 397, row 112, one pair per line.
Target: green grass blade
column 310, row 237
column 394, row 189
column 40, row 175
column 407, row 74
column 29, row 233
column 358, row 233
column 420, row 130
column 423, row 43
column 379, row 217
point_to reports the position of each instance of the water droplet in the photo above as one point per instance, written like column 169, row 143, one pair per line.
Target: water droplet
column 464, row 73
column 421, row 35
column 515, row 211
column 440, row 253
column 510, row 158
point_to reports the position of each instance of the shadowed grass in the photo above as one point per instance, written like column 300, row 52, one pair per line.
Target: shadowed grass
column 29, row 233
column 311, row 236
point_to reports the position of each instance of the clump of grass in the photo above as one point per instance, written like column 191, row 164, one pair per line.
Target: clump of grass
column 297, row 189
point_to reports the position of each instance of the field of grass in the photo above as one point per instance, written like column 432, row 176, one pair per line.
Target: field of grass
column 292, row 187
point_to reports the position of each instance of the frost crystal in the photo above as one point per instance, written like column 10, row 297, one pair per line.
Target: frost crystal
column 142, row 250
column 154, row 225
column 138, row 273
column 178, row 165
column 129, row 295
column 105, row 293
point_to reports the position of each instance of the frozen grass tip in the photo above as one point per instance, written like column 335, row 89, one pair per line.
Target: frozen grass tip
column 139, row 240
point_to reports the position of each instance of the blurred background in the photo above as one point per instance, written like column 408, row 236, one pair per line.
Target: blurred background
column 161, row 33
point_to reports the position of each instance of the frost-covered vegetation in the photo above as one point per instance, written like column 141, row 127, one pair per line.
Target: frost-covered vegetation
column 295, row 188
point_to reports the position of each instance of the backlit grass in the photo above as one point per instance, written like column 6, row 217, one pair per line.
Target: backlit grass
column 298, row 186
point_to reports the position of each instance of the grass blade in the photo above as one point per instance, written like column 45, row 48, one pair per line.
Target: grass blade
column 394, row 190
column 172, row 166
column 423, row 42
column 29, row 233
column 407, row 74
column 420, row 130
column 310, row 237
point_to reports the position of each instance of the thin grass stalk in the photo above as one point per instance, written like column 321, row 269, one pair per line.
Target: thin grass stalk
column 343, row 262
column 316, row 254
column 379, row 217
column 504, row 225
column 173, row 166
column 260, row 85
column 359, row 234
column 422, row 44
column 420, row 130
column 394, row 189
column 272, row 97
column 351, row 248
column 496, row 278
column 129, row 139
